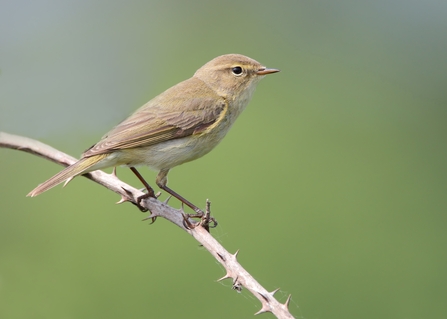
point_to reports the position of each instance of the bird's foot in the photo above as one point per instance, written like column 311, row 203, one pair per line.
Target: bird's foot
column 206, row 220
column 150, row 193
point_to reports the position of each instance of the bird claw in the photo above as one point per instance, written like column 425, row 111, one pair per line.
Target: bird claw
column 206, row 220
column 141, row 208
column 151, row 216
column 149, row 194
column 186, row 223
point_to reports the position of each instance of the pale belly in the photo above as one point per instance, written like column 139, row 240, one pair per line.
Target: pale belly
column 171, row 153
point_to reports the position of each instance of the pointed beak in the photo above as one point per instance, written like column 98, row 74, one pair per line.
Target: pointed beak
column 264, row 71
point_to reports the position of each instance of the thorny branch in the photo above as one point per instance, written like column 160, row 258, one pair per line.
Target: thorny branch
column 241, row 278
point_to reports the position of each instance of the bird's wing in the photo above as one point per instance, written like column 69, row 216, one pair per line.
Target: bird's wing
column 185, row 109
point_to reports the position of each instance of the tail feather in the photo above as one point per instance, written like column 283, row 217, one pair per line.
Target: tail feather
column 68, row 173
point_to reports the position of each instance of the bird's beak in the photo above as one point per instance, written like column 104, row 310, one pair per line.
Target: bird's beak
column 264, row 71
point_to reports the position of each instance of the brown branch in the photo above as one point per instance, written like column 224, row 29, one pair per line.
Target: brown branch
column 241, row 278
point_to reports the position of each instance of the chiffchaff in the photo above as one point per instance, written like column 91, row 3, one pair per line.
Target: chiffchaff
column 180, row 125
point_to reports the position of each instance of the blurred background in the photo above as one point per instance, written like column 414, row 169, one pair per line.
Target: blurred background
column 332, row 183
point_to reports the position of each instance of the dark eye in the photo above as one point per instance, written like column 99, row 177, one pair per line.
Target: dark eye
column 237, row 70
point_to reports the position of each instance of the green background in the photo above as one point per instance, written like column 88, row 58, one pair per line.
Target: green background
column 332, row 183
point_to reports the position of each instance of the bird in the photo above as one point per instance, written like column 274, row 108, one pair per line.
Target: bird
column 179, row 125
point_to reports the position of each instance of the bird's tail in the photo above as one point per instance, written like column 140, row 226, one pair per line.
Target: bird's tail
column 68, row 173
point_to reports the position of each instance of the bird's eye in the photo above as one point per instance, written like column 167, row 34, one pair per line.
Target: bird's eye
column 237, row 70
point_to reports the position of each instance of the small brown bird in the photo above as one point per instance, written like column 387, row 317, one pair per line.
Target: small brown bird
column 180, row 125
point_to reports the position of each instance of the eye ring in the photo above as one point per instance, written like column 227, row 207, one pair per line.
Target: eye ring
column 237, row 70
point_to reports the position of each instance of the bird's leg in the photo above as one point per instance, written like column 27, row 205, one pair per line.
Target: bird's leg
column 150, row 191
column 206, row 220
column 162, row 180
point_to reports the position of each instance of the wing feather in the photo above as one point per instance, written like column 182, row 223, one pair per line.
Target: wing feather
column 172, row 114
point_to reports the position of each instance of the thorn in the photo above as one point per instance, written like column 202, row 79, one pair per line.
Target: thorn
column 274, row 291
column 224, row 277
column 123, row 200
column 151, row 216
column 263, row 309
column 286, row 304
column 114, row 172
column 235, row 254
column 167, row 199
column 127, row 191
column 68, row 181
column 157, row 195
